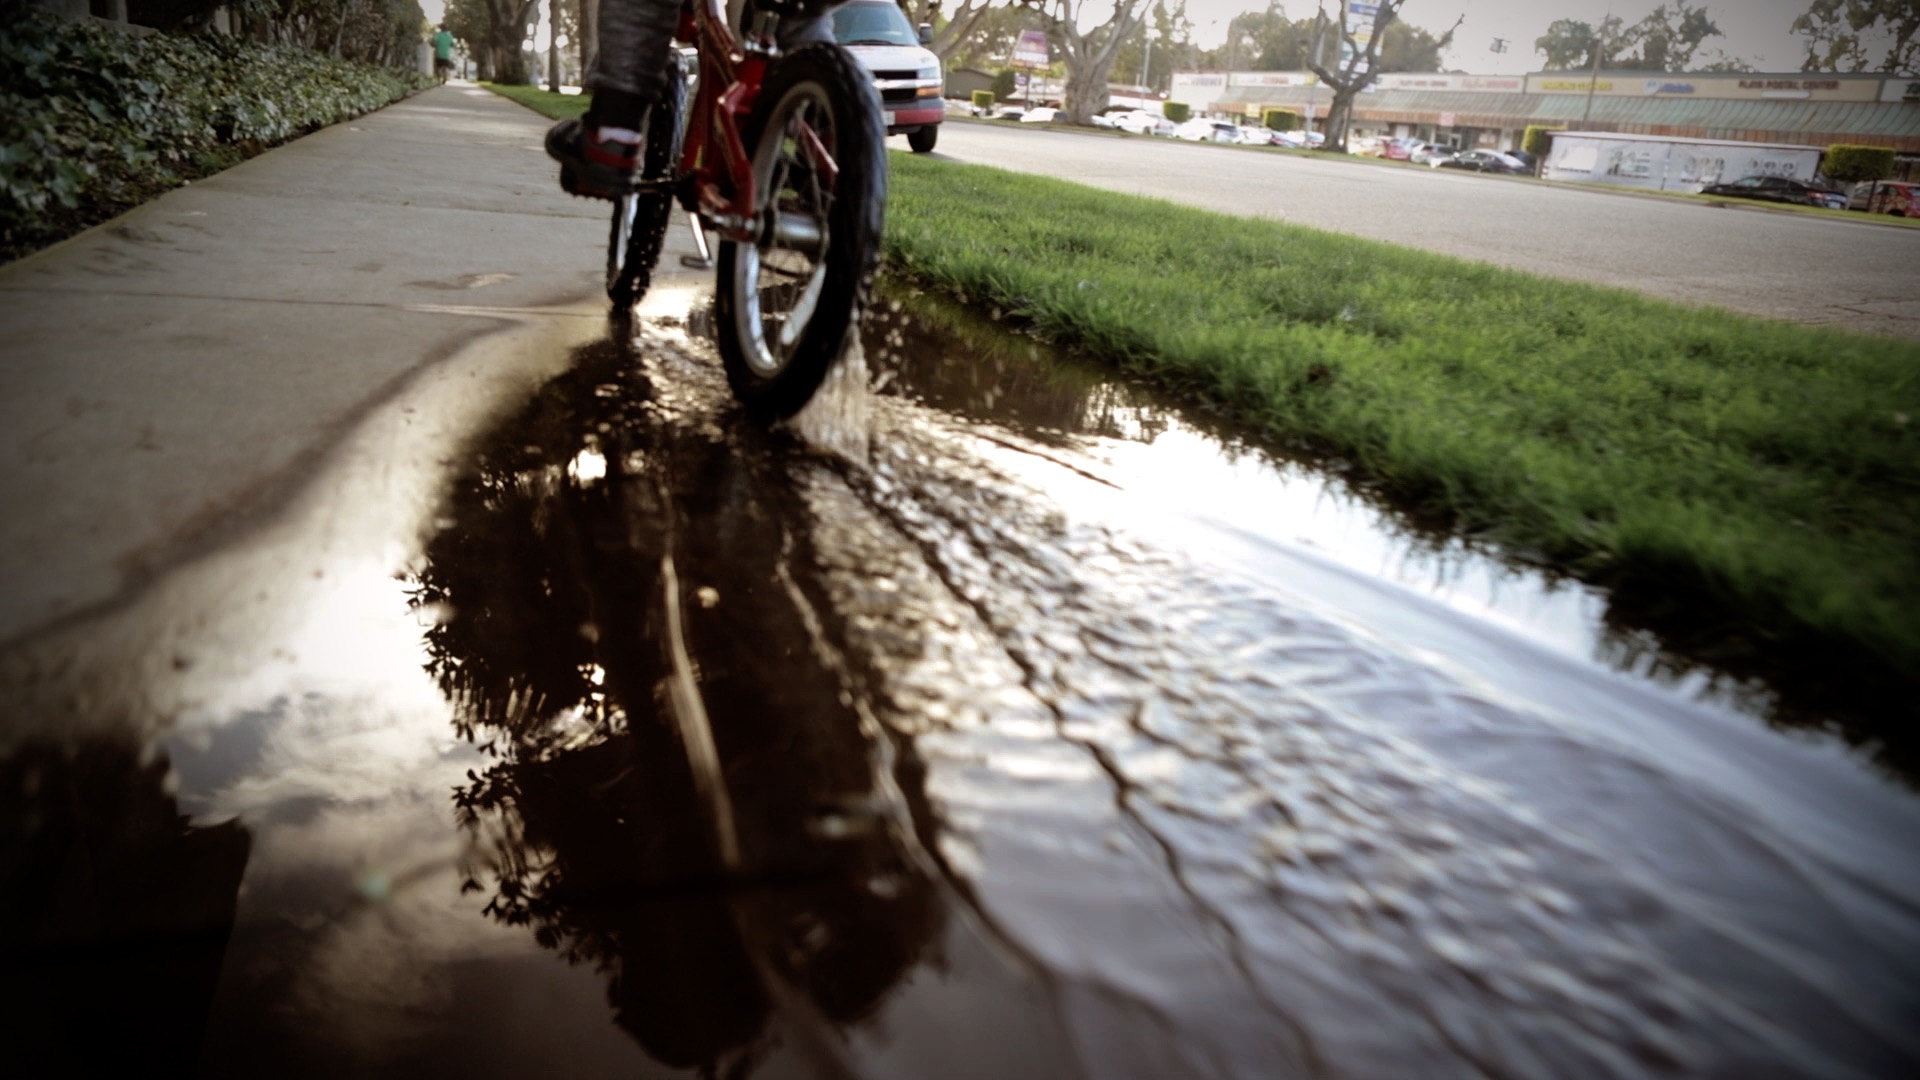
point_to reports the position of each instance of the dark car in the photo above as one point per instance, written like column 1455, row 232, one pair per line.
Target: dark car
column 1491, row 161
column 1778, row 189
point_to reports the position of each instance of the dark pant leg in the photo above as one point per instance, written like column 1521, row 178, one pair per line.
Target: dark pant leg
column 636, row 37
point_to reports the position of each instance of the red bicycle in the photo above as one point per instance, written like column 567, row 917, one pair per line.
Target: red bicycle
column 781, row 156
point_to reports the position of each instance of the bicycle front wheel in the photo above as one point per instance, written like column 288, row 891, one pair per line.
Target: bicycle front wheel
column 788, row 301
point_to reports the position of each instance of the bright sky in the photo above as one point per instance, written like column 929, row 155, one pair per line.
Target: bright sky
column 1753, row 30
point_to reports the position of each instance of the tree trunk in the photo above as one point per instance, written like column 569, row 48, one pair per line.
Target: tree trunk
column 1086, row 90
column 510, row 62
column 1089, row 56
column 508, row 40
column 553, row 46
column 1357, row 74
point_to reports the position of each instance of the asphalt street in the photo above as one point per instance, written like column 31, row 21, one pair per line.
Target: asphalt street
column 1802, row 268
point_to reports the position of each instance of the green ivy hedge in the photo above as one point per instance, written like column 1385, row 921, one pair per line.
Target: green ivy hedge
column 1280, row 119
column 93, row 121
column 1539, row 138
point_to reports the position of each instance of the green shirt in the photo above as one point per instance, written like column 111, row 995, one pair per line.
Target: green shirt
column 442, row 45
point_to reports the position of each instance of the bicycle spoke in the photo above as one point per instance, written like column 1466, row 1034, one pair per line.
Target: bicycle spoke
column 794, row 288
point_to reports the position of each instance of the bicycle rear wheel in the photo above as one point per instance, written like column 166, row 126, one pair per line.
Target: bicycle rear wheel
column 787, row 301
column 640, row 219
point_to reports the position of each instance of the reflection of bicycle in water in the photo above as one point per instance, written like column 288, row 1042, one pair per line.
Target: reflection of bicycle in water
column 780, row 154
column 594, row 823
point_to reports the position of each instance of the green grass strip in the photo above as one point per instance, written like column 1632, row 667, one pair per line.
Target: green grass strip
column 545, row 102
column 1766, row 471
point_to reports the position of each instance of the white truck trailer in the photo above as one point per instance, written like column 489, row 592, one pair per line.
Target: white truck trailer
column 1668, row 163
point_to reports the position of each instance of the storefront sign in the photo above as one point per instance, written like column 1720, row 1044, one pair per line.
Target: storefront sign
column 1031, row 49
column 1789, row 84
column 1360, row 17
column 1563, row 85
column 1271, row 78
column 1655, row 86
column 1477, row 83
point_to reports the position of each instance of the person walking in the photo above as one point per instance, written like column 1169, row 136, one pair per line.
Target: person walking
column 442, row 52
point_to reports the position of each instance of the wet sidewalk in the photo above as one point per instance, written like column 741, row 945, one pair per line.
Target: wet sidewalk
column 173, row 374
column 407, row 672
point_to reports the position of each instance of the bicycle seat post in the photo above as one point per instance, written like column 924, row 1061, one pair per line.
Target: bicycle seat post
column 763, row 39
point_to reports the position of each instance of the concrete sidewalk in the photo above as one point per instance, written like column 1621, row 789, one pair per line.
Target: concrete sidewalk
column 175, row 374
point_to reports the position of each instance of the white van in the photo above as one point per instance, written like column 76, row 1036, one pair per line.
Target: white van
column 904, row 71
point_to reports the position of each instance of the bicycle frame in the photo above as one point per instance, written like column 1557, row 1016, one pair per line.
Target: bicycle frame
column 714, row 161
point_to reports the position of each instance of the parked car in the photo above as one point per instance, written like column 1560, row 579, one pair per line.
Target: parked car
column 1524, row 158
column 1257, row 136
column 1202, row 129
column 1007, row 112
column 1780, row 189
column 1487, row 161
column 1142, row 122
column 1431, row 154
column 1400, row 149
column 1044, row 114
column 1300, row 139
column 1897, row 197
column 904, row 71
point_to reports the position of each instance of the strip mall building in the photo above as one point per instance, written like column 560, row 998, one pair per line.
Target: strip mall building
column 1494, row 111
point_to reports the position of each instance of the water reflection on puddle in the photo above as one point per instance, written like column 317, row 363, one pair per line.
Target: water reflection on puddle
column 1172, row 461
column 1009, row 791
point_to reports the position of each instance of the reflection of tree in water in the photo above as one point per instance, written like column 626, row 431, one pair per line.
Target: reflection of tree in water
column 115, row 911
column 943, row 355
column 552, row 645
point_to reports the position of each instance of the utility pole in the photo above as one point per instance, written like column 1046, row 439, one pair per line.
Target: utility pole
column 1593, row 80
column 1319, row 59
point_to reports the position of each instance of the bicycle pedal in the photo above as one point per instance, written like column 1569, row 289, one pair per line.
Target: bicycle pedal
column 696, row 262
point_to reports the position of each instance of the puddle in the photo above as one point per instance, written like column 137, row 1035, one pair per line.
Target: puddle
column 1180, row 461
column 1007, row 722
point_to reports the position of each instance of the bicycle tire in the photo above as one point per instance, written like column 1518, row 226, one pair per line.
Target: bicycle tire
column 778, row 338
column 639, row 228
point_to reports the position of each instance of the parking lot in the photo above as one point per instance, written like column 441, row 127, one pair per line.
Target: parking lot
column 1817, row 269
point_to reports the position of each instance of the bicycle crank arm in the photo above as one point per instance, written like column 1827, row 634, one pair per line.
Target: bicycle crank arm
column 703, row 260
